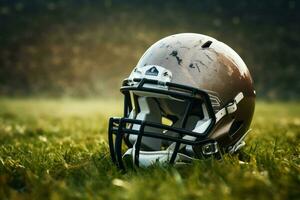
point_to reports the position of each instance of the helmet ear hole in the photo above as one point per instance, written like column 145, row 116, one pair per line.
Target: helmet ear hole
column 235, row 126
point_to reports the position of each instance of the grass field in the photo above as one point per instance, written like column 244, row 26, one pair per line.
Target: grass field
column 57, row 149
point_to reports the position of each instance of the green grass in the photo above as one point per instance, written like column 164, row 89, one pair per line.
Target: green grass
column 57, row 149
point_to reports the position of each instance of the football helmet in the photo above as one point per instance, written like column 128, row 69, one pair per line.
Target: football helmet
column 190, row 96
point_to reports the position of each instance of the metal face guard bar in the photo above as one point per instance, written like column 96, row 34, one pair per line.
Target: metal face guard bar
column 121, row 126
column 117, row 127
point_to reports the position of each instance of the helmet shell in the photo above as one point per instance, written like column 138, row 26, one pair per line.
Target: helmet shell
column 207, row 64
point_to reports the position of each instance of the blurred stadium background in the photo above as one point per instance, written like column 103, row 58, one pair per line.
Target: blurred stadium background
column 84, row 48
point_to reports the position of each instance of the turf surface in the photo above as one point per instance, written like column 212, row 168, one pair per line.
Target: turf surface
column 57, row 149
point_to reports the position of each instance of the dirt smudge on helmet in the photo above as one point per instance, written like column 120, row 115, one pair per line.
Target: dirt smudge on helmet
column 208, row 56
column 194, row 65
column 175, row 54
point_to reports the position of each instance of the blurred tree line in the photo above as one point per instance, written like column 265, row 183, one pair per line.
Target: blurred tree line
column 86, row 47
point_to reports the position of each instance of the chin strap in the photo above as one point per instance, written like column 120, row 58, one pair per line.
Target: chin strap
column 147, row 158
column 230, row 107
column 239, row 144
